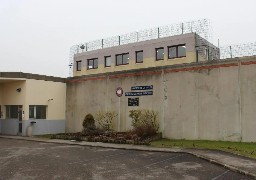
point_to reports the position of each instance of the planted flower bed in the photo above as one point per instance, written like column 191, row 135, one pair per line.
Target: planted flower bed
column 114, row 137
column 144, row 122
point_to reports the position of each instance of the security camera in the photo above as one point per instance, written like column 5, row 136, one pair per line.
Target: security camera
column 18, row 90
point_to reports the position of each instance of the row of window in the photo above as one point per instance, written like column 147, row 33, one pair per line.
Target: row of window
column 177, row 51
column 35, row 112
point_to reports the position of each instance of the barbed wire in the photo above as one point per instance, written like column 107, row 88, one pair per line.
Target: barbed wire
column 202, row 27
column 226, row 52
column 238, row 50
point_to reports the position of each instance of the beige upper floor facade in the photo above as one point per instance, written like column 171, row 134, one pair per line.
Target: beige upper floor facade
column 179, row 49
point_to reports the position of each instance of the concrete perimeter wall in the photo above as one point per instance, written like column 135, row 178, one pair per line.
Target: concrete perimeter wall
column 213, row 100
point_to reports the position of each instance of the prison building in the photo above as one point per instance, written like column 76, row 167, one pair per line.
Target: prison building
column 31, row 102
column 172, row 50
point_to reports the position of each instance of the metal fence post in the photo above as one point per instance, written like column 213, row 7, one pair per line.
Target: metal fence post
column 77, row 49
column 230, row 51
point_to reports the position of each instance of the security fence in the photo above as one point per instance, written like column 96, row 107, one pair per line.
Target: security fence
column 238, row 50
column 202, row 27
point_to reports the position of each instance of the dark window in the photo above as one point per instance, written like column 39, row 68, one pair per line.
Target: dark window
column 78, row 65
column 207, row 54
column 159, row 53
column 31, row 112
column 139, row 56
column 12, row 112
column 176, row 51
column 122, row 59
column 107, row 61
column 37, row 111
column 92, row 63
column 182, row 51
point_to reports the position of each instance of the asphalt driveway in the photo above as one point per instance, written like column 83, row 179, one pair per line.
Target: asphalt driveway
column 21, row 159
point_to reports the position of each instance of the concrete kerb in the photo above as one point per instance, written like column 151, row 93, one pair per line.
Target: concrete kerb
column 137, row 148
column 232, row 168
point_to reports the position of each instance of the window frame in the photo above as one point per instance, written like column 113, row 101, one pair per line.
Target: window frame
column 77, row 62
column 93, row 67
column 123, row 54
column 156, row 49
column 105, row 61
column 9, row 112
column 136, row 57
column 35, row 112
column 177, row 51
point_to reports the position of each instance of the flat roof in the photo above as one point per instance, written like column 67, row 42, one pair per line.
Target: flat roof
column 9, row 76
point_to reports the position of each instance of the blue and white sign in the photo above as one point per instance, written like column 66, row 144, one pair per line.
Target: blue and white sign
column 134, row 88
column 145, row 93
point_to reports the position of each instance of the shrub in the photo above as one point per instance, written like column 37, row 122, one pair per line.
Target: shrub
column 89, row 122
column 89, row 127
column 105, row 119
column 136, row 117
column 144, row 122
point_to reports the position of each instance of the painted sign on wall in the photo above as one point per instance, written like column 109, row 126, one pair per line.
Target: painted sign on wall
column 134, row 88
column 119, row 91
column 145, row 93
column 133, row 101
column 142, row 93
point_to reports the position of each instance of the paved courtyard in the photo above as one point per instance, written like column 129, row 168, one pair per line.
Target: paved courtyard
column 21, row 159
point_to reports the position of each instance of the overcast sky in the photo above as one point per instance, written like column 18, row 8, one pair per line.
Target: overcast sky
column 36, row 35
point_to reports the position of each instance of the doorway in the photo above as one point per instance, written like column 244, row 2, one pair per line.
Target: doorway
column 20, row 113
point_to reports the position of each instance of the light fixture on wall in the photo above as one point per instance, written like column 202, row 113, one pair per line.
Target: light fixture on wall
column 18, row 89
column 50, row 99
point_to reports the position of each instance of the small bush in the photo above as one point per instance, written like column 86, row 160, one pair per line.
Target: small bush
column 88, row 125
column 105, row 119
column 136, row 117
column 89, row 122
column 145, row 130
column 144, row 122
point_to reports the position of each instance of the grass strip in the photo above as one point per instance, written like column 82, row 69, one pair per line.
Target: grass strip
column 241, row 148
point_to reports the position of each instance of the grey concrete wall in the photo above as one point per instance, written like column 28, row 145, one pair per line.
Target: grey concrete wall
column 92, row 96
column 9, row 126
column 247, row 83
column 43, row 127
column 203, row 105
column 208, row 100
column 0, row 126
